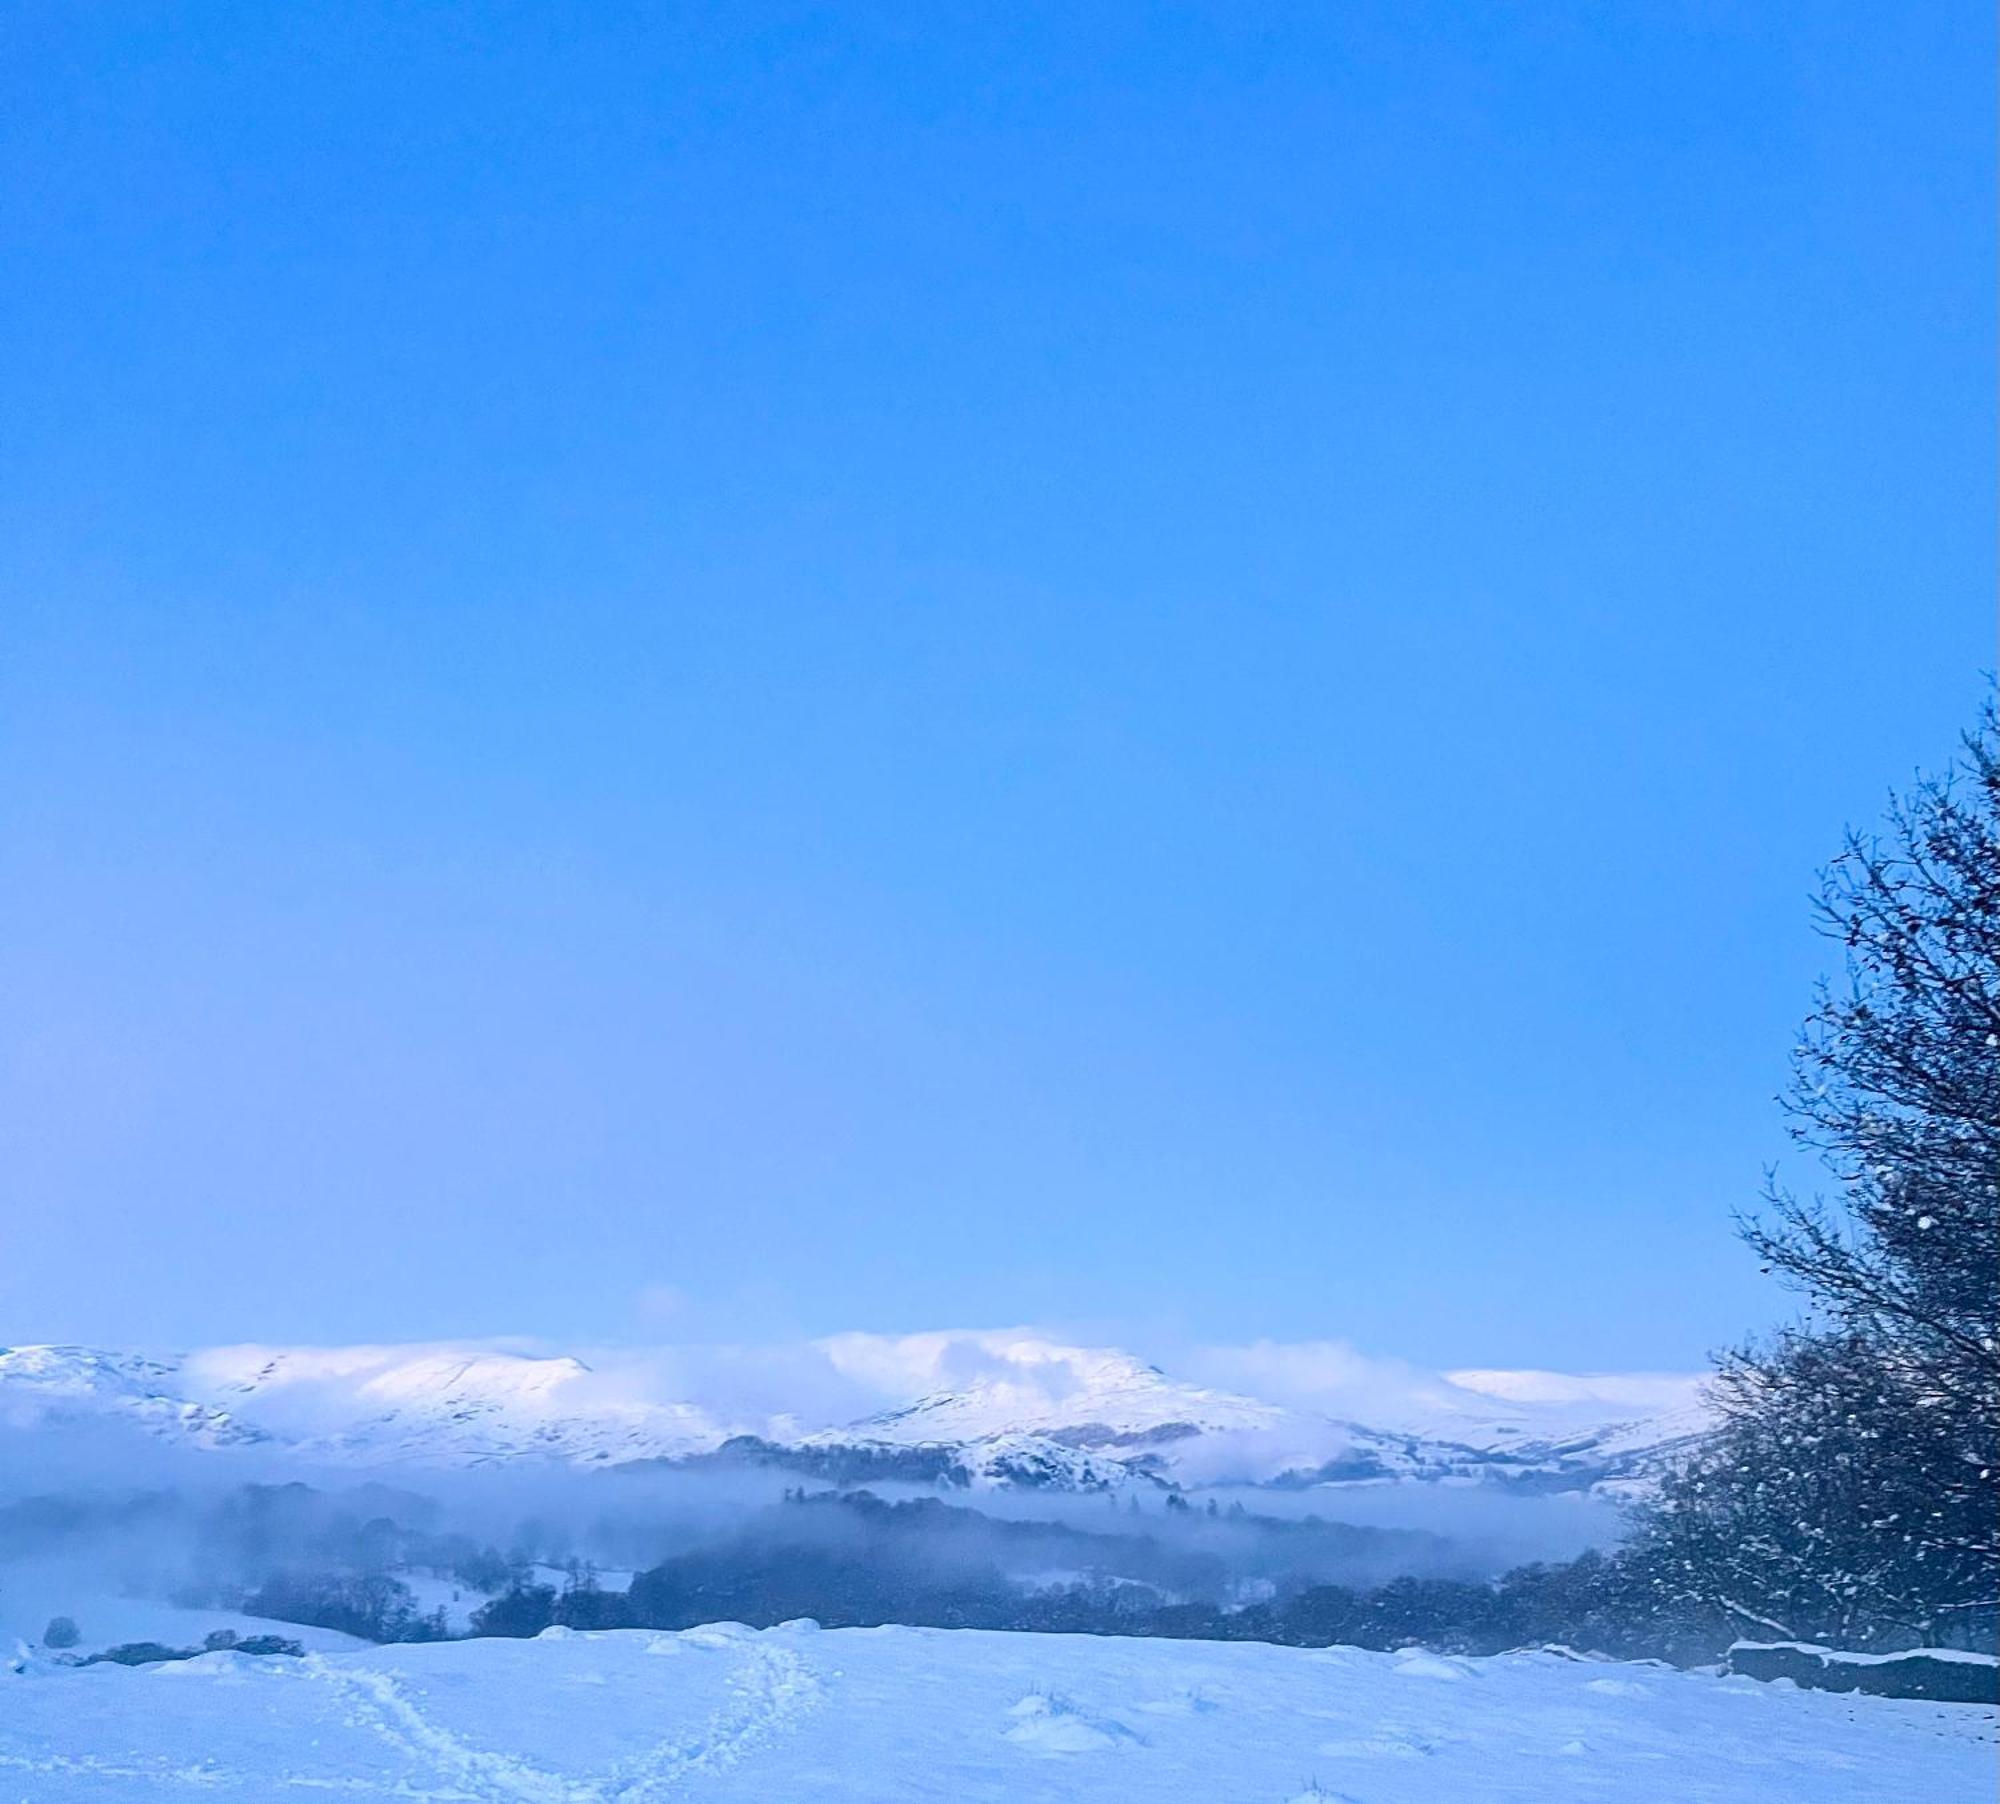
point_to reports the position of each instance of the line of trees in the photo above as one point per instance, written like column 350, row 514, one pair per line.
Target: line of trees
column 1592, row 1602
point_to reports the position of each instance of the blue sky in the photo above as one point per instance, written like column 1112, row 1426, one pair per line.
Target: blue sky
column 702, row 672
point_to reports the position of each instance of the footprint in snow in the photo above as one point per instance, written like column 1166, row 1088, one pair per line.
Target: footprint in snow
column 1388, row 1746
column 1183, row 1703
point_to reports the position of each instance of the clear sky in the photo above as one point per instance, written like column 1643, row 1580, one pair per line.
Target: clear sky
column 691, row 671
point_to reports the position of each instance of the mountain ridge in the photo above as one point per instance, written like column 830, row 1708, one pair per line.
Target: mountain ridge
column 1001, row 1409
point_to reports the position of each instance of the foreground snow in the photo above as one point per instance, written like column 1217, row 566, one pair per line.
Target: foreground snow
column 886, row 1714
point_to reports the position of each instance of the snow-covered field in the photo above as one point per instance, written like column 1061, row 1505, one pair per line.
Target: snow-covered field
column 794, row 1714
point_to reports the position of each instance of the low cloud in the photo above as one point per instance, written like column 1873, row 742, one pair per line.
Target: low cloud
column 392, row 1402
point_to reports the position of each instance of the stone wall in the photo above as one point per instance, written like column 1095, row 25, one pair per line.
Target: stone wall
column 1945, row 1675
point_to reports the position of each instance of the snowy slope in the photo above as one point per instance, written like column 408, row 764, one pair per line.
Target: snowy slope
column 990, row 1408
column 1614, row 1413
column 886, row 1715
column 1020, row 1410
column 407, row 1403
column 1091, row 1395
column 41, row 1385
column 436, row 1405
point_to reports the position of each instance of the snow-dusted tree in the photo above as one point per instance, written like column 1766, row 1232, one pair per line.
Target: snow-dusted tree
column 1896, row 1084
column 1836, row 1503
column 1853, row 1492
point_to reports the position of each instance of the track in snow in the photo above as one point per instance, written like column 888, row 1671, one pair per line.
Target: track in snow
column 771, row 1687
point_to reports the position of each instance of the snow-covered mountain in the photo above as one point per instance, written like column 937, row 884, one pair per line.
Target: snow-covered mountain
column 999, row 1409
column 364, row 1406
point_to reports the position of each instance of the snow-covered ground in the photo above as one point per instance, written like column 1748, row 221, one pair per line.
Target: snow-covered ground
column 794, row 1714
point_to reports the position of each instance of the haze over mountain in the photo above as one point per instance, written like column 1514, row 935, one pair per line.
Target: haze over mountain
column 984, row 1408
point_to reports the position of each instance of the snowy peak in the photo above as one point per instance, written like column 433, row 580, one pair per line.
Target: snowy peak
column 1009, row 1384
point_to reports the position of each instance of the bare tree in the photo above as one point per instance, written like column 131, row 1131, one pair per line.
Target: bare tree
column 1853, row 1491
column 1896, row 1084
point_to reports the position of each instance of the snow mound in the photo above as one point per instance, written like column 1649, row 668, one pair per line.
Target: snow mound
column 1048, row 1725
column 1415, row 1664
